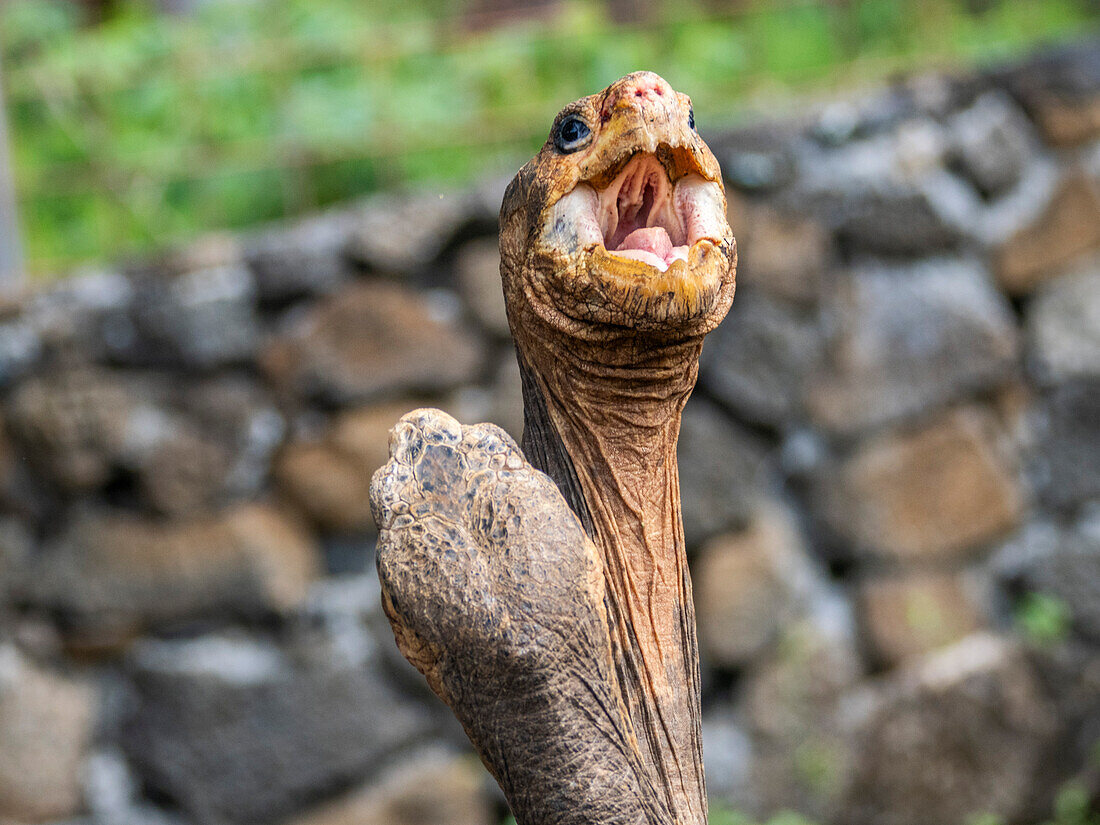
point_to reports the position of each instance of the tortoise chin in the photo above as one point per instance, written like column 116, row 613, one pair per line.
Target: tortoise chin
column 642, row 243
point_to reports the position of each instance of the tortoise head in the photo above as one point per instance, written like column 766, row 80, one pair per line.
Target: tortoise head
column 620, row 219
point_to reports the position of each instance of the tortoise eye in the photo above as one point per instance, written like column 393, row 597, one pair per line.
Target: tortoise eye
column 691, row 117
column 572, row 133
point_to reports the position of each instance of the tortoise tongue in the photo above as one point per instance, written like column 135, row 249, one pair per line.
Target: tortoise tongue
column 652, row 239
column 650, row 245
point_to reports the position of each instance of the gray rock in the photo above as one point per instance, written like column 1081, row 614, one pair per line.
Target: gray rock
column 237, row 413
column 179, row 448
column 235, row 732
column 728, row 763
column 901, row 224
column 909, row 338
column 197, row 319
column 1070, row 672
column 963, row 732
column 302, row 259
column 1063, row 326
column 793, row 702
column 88, row 313
column 1067, row 458
column 751, row 586
column 990, row 143
column 478, row 268
column 184, row 472
column 16, row 544
column 757, row 160
column 891, row 195
column 405, row 233
column 759, row 359
column 112, row 795
column 20, row 349
column 722, row 469
column 501, row 402
column 1059, row 562
column 842, row 121
column 506, row 397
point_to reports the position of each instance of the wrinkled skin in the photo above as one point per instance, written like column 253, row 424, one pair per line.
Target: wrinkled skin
column 556, row 617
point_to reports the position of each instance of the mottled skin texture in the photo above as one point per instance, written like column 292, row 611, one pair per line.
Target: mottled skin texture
column 556, row 617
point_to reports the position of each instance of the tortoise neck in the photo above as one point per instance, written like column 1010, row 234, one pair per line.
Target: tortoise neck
column 603, row 420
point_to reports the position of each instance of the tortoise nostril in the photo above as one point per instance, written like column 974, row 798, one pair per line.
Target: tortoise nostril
column 638, row 93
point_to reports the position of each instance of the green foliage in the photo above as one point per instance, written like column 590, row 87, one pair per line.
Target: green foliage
column 721, row 815
column 1043, row 619
column 1072, row 807
column 146, row 128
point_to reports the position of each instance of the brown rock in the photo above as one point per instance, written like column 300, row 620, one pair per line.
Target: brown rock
column 46, row 724
column 282, row 556
column 909, row 338
column 369, row 340
column 478, row 269
column 208, row 251
column 332, row 490
column 184, row 473
column 1066, row 123
column 909, row 615
column 429, row 789
column 111, row 574
column 72, row 425
column 362, row 435
column 781, row 254
column 1068, row 228
column 747, row 586
column 499, row 402
column 963, row 733
column 1060, row 87
column 932, row 493
column 329, row 479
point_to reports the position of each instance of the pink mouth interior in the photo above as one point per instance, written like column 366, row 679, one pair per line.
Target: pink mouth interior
column 651, row 245
column 638, row 218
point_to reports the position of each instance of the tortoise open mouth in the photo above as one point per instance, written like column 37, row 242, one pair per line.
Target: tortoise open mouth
column 650, row 208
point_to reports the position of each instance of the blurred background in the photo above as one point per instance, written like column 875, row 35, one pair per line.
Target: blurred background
column 137, row 124
column 239, row 239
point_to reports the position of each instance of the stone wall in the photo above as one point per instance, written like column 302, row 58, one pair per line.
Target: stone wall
column 891, row 483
